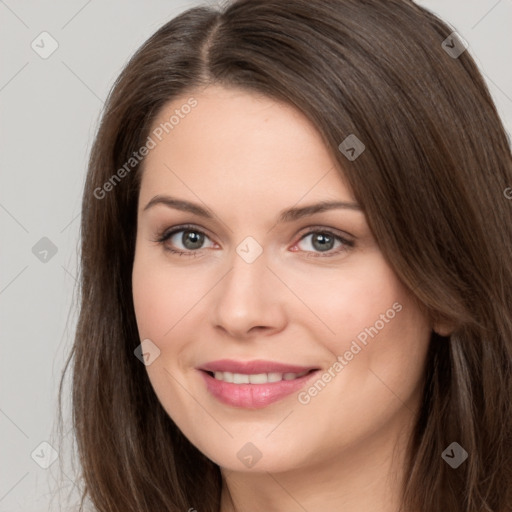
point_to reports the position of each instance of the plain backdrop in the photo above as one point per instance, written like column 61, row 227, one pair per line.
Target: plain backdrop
column 49, row 111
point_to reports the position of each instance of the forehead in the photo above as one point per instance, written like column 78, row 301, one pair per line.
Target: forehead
column 223, row 144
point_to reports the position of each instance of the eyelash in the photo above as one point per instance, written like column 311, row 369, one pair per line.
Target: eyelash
column 165, row 235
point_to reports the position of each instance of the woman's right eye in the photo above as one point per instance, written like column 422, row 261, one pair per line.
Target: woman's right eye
column 190, row 238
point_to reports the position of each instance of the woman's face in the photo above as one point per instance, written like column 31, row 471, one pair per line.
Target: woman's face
column 279, row 335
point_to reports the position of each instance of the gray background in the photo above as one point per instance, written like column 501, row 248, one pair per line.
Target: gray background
column 49, row 110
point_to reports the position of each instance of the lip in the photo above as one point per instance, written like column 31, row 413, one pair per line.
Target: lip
column 253, row 396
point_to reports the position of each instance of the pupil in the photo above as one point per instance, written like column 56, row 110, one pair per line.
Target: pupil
column 324, row 240
column 196, row 239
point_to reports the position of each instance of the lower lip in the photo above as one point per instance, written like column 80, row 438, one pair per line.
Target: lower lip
column 253, row 396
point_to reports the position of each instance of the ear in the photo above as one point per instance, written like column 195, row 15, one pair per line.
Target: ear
column 443, row 327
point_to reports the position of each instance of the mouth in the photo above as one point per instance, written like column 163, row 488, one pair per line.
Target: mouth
column 255, row 384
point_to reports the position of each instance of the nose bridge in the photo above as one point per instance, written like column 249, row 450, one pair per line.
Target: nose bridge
column 245, row 282
column 247, row 296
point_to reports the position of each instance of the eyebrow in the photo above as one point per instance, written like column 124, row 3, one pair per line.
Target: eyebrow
column 288, row 215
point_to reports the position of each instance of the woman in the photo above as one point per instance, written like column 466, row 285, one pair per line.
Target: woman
column 296, row 275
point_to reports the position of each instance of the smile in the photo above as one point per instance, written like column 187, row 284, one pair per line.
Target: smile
column 253, row 384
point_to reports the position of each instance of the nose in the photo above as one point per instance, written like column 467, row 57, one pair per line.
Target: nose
column 249, row 301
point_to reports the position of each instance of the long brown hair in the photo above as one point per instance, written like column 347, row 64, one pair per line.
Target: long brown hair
column 431, row 182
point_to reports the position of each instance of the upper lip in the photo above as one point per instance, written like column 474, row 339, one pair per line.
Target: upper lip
column 253, row 367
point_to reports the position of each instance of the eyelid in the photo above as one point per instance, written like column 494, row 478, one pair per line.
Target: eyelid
column 166, row 232
column 325, row 229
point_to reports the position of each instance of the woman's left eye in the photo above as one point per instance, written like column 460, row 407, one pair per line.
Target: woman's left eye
column 322, row 241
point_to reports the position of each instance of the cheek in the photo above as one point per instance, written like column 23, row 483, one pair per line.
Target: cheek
column 383, row 346
column 166, row 303
column 150, row 299
column 352, row 299
column 371, row 321
column 158, row 296
column 160, row 307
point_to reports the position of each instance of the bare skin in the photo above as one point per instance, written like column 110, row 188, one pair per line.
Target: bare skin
column 246, row 158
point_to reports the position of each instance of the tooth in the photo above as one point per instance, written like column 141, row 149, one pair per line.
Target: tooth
column 259, row 378
column 240, row 378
